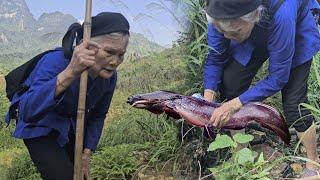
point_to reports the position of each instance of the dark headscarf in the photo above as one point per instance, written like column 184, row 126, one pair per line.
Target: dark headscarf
column 103, row 23
column 229, row 9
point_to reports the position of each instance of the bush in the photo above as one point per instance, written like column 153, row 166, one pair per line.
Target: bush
column 123, row 161
column 117, row 162
column 196, row 44
column 244, row 163
column 314, row 88
column 22, row 168
column 7, row 141
column 4, row 104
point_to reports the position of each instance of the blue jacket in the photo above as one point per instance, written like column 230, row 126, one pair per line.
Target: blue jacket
column 289, row 40
column 39, row 112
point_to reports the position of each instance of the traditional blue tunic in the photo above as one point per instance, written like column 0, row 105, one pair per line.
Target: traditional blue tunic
column 39, row 112
column 290, row 39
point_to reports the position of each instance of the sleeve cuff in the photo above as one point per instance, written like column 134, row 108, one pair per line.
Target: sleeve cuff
column 59, row 98
column 244, row 99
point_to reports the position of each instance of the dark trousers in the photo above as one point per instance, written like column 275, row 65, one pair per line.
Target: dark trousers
column 237, row 79
column 53, row 161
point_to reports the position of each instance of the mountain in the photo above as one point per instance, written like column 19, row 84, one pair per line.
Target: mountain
column 55, row 22
column 139, row 45
column 15, row 16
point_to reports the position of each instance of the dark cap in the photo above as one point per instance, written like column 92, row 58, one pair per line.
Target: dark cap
column 103, row 23
column 230, row 9
column 108, row 22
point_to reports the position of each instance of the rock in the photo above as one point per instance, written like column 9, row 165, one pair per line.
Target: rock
column 297, row 168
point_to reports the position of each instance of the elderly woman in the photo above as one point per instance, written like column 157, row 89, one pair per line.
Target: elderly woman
column 47, row 111
column 242, row 35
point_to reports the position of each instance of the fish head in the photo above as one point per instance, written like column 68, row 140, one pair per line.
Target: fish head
column 151, row 101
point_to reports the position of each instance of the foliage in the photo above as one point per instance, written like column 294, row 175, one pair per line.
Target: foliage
column 220, row 142
column 22, row 168
column 7, row 156
column 195, row 40
column 124, row 161
column 243, row 164
column 4, row 104
column 121, row 163
column 314, row 88
column 6, row 140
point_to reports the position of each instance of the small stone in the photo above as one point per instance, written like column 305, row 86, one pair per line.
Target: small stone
column 297, row 168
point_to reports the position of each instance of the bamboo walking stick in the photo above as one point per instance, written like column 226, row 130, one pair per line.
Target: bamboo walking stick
column 77, row 174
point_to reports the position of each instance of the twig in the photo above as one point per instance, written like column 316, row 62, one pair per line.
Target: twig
column 206, row 176
column 199, row 170
column 187, row 132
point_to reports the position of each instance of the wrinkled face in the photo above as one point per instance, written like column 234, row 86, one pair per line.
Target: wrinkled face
column 110, row 56
column 238, row 30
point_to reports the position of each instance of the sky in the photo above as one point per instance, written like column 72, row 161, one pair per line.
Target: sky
column 148, row 17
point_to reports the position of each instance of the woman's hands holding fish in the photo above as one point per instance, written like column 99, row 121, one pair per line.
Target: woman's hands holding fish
column 222, row 114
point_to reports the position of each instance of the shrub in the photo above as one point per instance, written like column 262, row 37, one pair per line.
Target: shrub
column 22, row 168
column 117, row 162
column 244, row 163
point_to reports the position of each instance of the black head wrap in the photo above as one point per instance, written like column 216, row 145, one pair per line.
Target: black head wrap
column 103, row 23
column 229, row 9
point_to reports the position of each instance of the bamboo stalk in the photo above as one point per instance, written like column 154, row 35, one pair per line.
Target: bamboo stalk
column 77, row 174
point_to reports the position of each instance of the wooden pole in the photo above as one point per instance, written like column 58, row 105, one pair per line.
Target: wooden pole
column 77, row 174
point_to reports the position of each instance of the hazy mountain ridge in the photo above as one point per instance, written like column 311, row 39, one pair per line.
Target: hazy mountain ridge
column 54, row 22
column 15, row 16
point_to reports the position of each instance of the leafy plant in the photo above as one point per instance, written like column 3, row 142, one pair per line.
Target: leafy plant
column 117, row 162
column 314, row 88
column 196, row 43
column 22, row 168
column 243, row 164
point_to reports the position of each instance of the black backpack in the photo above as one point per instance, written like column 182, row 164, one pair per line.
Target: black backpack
column 15, row 78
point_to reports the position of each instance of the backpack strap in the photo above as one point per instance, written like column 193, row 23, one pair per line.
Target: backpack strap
column 15, row 78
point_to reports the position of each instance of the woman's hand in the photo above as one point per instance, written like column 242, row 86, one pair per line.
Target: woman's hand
column 86, row 163
column 209, row 95
column 83, row 57
column 222, row 114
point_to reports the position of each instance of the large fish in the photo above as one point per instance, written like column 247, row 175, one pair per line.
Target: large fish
column 198, row 112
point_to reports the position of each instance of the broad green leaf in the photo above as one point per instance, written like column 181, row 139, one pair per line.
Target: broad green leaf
column 244, row 155
column 260, row 159
column 222, row 141
column 242, row 138
column 255, row 154
column 212, row 170
column 310, row 107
